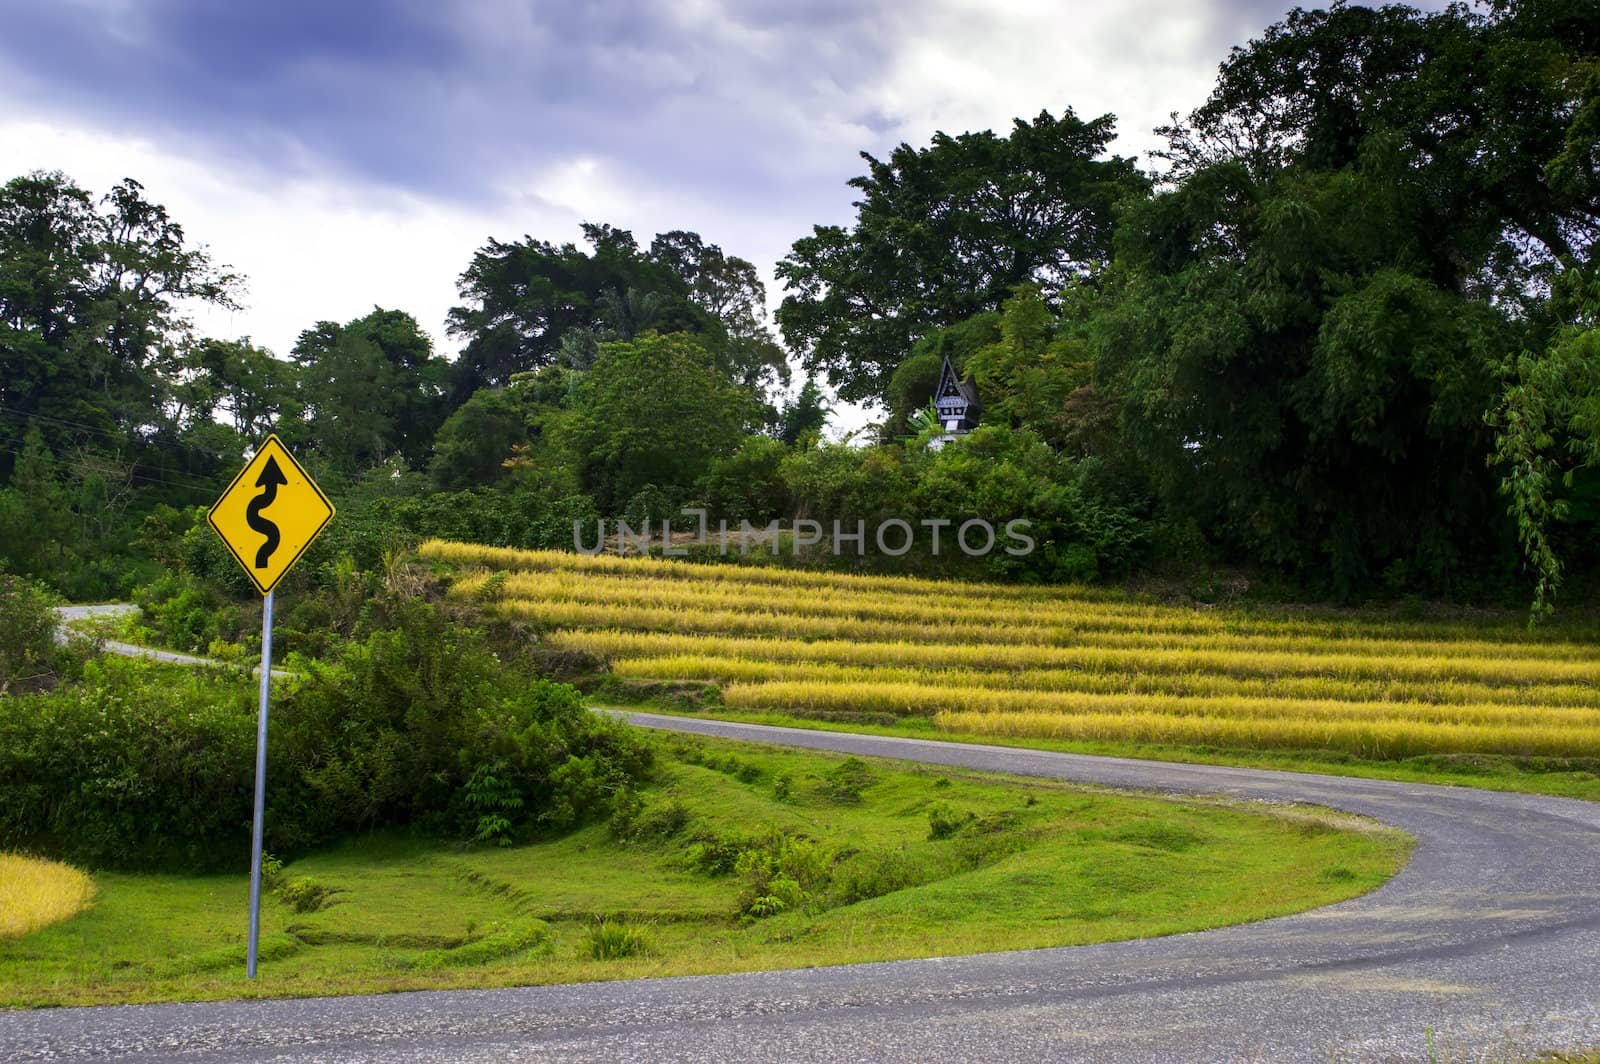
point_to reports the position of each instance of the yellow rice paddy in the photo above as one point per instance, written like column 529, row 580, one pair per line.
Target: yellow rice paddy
column 36, row 893
column 1058, row 663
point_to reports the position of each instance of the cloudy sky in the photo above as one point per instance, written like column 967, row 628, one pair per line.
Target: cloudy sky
column 349, row 154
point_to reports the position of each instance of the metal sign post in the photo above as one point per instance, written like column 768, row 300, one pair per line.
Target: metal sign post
column 259, row 824
column 267, row 546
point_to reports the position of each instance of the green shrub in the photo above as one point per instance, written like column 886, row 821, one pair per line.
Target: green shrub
column 610, row 941
column 716, row 855
column 135, row 766
column 632, row 821
column 945, row 820
column 492, row 796
column 144, row 766
column 306, row 895
column 784, row 872
column 874, row 873
column 188, row 615
column 845, row 783
column 663, row 821
column 29, row 657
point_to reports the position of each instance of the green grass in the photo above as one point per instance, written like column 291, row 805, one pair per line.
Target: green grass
column 1020, row 864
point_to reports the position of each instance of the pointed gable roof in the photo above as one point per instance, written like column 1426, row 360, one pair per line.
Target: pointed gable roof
column 951, row 386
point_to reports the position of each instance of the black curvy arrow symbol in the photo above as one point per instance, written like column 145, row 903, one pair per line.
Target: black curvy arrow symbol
column 271, row 476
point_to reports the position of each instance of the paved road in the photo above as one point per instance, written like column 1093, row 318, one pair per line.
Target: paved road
column 1490, row 938
column 134, row 650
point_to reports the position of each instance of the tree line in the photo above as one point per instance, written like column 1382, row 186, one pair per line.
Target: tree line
column 1344, row 334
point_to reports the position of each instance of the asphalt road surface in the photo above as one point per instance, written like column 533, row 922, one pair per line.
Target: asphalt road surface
column 1487, row 945
column 133, row 650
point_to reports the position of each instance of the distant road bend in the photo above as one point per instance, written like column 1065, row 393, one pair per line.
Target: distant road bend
column 1489, row 939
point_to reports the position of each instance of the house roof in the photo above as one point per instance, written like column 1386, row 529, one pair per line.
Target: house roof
column 951, row 386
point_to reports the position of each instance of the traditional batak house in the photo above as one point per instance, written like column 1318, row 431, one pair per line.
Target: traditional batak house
column 956, row 401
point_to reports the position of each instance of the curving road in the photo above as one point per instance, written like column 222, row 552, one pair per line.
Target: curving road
column 68, row 614
column 1488, row 943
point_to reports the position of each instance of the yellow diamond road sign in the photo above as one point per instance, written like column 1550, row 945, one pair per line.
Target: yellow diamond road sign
column 270, row 514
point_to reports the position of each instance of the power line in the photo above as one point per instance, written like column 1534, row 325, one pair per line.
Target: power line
column 178, row 480
column 173, row 445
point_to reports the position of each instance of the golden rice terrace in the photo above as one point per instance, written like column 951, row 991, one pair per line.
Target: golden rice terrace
column 1054, row 663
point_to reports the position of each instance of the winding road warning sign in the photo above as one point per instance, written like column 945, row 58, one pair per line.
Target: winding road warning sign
column 270, row 514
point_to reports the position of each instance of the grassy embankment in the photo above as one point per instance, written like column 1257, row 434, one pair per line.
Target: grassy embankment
column 1480, row 701
column 736, row 858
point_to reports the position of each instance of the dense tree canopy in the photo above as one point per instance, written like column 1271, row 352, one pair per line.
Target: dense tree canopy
column 1305, row 328
column 944, row 232
column 653, row 413
column 1346, row 337
column 92, row 296
column 370, row 389
column 531, row 304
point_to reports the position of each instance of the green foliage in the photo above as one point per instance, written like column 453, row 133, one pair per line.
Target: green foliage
column 1027, row 375
column 845, row 783
column 835, row 480
column 1312, row 403
column 530, row 303
column 614, row 940
column 784, row 873
column 476, row 441
column 29, row 656
column 633, row 821
column 244, row 384
column 65, row 519
column 947, row 231
column 417, row 724
column 370, row 389
column 490, row 795
column 1088, row 519
column 117, row 770
column 945, row 820
column 748, row 485
column 652, row 412
column 501, row 940
column 93, row 295
column 306, row 895
column 803, row 419
column 187, row 613
column 1548, row 437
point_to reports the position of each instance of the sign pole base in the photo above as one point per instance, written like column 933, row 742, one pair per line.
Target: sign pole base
column 261, row 789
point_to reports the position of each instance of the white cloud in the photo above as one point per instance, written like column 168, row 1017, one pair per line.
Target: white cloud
column 967, row 65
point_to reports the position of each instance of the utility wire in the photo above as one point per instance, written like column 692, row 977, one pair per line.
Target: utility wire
column 194, row 484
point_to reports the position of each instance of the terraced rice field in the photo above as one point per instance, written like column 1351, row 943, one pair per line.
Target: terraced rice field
column 1058, row 663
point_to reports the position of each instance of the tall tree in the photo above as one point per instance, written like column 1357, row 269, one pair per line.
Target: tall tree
column 370, row 389
column 944, row 232
column 1304, row 330
column 1474, row 109
column 1547, row 442
column 805, row 417
column 522, row 299
column 730, row 290
column 653, row 413
column 242, row 385
column 93, row 297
